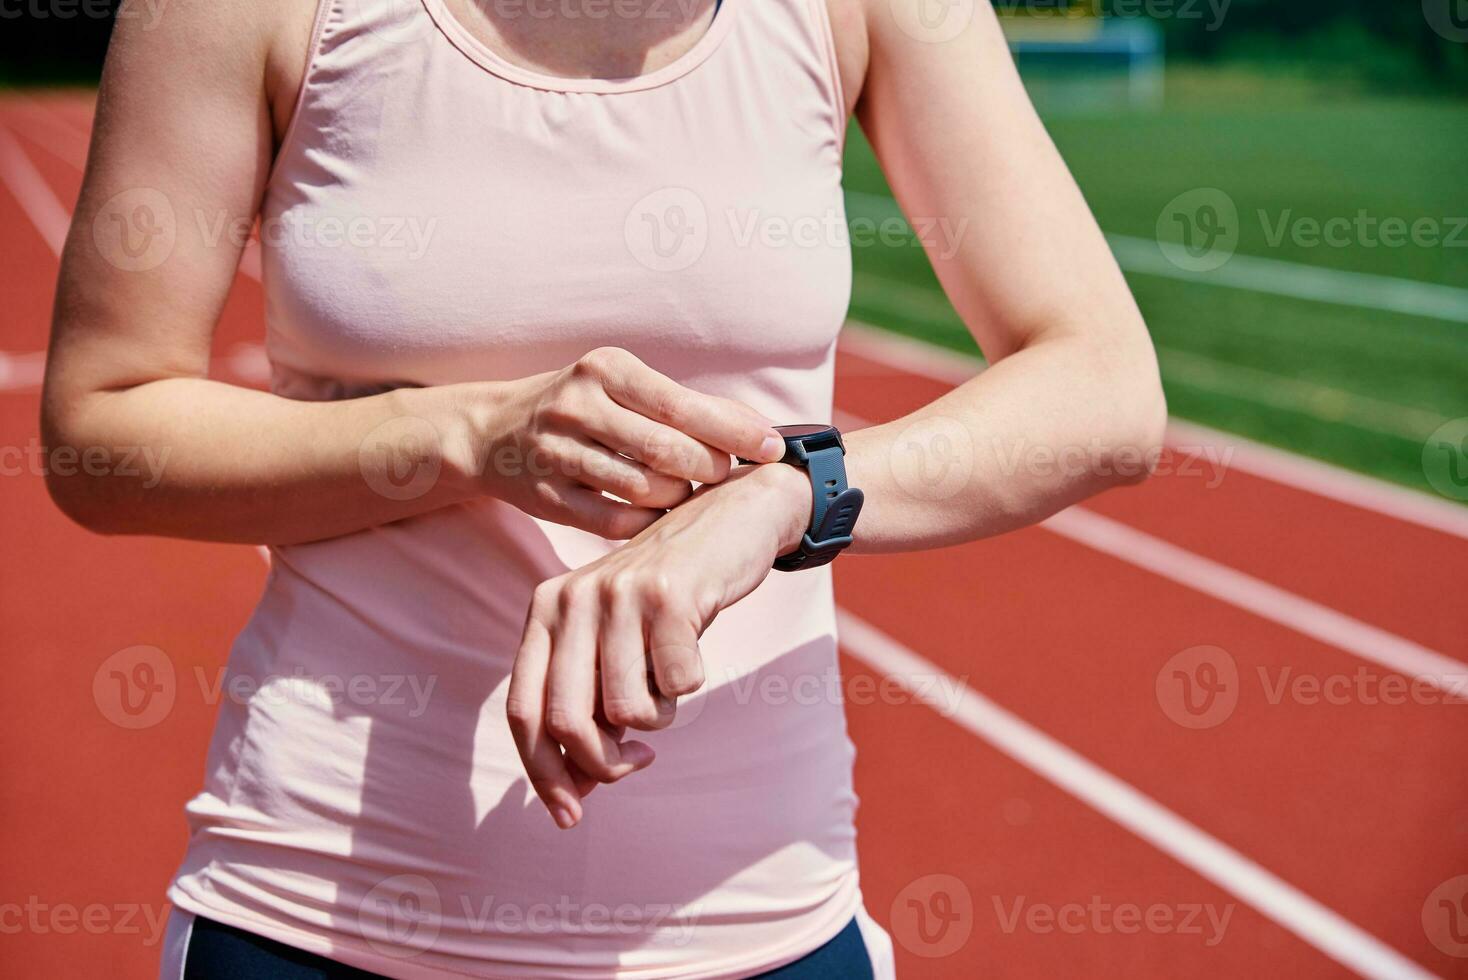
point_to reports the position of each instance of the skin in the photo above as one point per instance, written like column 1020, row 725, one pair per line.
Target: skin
column 612, row 645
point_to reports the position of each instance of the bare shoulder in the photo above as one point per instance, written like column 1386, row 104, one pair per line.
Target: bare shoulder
column 849, row 30
column 289, row 23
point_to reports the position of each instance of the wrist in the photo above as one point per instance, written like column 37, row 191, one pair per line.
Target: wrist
column 788, row 494
column 463, row 416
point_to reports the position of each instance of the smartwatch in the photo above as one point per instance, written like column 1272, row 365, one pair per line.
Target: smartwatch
column 819, row 451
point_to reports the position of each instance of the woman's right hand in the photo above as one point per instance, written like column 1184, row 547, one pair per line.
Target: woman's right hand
column 551, row 443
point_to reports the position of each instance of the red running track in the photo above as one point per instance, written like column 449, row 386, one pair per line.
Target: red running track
column 1360, row 805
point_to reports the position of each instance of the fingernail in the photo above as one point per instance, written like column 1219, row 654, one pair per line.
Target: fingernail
column 773, row 448
column 640, row 754
column 563, row 817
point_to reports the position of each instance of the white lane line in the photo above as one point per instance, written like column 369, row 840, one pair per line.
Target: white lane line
column 59, row 137
column 72, row 150
column 32, row 193
column 1276, row 277
column 1278, row 900
column 901, row 300
column 246, row 363
column 1253, row 595
column 1322, row 479
column 1297, row 280
column 22, row 372
column 1266, row 601
column 1274, row 390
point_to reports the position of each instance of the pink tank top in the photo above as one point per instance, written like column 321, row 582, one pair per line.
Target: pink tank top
column 440, row 215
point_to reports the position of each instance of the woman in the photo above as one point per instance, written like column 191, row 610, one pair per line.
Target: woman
column 526, row 285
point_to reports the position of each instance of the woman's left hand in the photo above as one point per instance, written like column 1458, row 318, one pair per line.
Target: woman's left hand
column 611, row 645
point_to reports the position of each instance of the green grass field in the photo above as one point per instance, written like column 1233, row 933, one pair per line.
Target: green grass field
column 1358, row 387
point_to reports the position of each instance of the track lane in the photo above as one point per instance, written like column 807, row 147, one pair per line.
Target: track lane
column 1399, row 576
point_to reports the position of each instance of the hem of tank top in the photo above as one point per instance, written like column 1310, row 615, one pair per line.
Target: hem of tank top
column 357, row 956
column 485, row 57
column 826, row 37
column 313, row 53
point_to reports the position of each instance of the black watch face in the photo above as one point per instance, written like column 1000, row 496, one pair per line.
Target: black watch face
column 812, row 436
column 802, row 431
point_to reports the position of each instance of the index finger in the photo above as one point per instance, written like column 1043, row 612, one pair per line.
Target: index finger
column 723, row 423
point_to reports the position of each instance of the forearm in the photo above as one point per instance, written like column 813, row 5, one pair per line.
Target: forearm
column 1051, row 424
column 194, row 458
column 605, row 444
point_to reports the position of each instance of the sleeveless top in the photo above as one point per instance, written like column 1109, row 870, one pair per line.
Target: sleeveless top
column 438, row 215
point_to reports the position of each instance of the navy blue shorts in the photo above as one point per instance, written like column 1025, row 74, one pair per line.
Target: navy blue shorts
column 221, row 952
